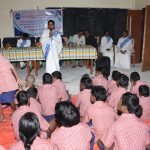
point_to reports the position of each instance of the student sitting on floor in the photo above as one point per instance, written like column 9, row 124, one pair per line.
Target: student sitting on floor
column 101, row 77
column 29, row 130
column 71, row 134
column 9, row 81
column 100, row 113
column 144, row 93
column 57, row 81
column 83, row 98
column 136, row 82
column 128, row 132
column 33, row 99
column 112, row 84
column 115, row 96
column 48, row 97
column 24, row 107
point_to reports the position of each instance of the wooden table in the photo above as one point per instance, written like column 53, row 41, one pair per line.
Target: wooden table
column 35, row 54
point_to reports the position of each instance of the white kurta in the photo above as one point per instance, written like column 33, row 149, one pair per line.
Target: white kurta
column 70, row 39
column 123, row 60
column 27, row 44
column 79, row 41
column 55, row 47
column 105, row 44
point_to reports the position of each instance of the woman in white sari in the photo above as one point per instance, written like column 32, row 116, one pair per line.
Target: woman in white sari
column 124, row 48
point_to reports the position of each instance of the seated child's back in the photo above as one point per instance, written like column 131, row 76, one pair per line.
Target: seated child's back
column 112, row 84
column 83, row 98
column 48, row 95
column 144, row 92
column 24, row 107
column 115, row 96
column 29, row 130
column 136, row 82
column 101, row 78
column 128, row 132
column 71, row 135
column 33, row 99
column 57, row 81
column 100, row 113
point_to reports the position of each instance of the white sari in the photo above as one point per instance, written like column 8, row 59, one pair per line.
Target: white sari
column 51, row 49
column 123, row 60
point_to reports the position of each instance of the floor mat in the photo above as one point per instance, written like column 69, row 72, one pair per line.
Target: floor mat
column 6, row 131
column 74, row 99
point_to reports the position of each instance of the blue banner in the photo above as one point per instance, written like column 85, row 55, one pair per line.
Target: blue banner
column 34, row 22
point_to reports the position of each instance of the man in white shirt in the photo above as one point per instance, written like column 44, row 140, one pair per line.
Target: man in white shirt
column 78, row 40
column 106, row 47
column 52, row 46
column 23, row 42
column 124, row 48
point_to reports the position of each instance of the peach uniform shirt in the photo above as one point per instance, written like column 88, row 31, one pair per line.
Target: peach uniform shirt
column 35, row 105
column 115, row 97
column 61, row 85
column 135, row 88
column 127, row 133
column 77, row 137
column 145, row 103
column 38, row 144
column 101, row 81
column 19, row 113
column 48, row 96
column 102, row 116
column 83, row 101
column 7, row 79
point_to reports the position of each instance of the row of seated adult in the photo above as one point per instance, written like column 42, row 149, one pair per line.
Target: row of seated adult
column 12, row 41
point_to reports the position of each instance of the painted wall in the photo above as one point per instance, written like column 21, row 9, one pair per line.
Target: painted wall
column 139, row 4
column 6, row 29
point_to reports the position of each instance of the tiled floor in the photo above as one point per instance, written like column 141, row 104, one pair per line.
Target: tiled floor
column 72, row 76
